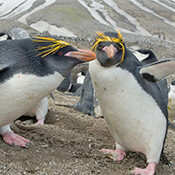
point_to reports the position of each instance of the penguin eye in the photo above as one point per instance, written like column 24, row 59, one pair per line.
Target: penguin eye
column 60, row 53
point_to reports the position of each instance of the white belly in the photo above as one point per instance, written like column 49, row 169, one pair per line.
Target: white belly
column 40, row 110
column 132, row 115
column 22, row 93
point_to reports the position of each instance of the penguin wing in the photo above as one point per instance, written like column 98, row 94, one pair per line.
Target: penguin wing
column 162, row 84
column 3, row 67
column 65, row 85
column 4, row 72
column 158, row 70
column 150, row 57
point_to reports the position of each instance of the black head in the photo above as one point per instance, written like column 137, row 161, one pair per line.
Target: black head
column 39, row 56
column 52, row 46
column 60, row 55
column 109, row 48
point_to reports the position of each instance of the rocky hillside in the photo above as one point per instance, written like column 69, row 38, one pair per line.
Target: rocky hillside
column 80, row 18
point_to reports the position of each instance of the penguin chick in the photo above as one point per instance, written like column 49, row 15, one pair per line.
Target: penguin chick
column 30, row 69
column 131, row 106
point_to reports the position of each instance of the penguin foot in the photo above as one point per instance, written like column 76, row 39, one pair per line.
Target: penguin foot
column 15, row 139
column 114, row 154
column 149, row 170
column 40, row 122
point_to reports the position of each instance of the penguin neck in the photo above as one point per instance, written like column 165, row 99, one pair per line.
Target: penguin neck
column 61, row 64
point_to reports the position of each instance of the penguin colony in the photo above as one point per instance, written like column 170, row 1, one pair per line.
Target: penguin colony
column 132, row 106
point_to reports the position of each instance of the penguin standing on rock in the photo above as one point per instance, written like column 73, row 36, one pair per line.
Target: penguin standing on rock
column 134, row 110
column 30, row 69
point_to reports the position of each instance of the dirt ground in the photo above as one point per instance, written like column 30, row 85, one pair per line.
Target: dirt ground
column 69, row 144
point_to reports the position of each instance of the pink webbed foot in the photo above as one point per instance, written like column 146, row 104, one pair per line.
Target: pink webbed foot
column 149, row 170
column 15, row 139
column 40, row 122
column 114, row 154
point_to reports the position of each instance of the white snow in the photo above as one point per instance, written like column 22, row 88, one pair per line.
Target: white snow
column 132, row 20
column 46, row 3
column 97, row 9
column 164, row 5
column 43, row 26
column 141, row 6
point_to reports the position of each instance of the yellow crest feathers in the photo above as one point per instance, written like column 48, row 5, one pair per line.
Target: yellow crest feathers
column 52, row 48
column 101, row 37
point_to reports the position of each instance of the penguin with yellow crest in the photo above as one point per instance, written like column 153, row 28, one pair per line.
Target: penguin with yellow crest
column 133, row 108
column 30, row 69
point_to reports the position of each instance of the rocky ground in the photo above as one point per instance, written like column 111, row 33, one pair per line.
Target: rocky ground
column 69, row 142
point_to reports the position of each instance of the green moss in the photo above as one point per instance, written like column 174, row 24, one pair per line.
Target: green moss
column 70, row 14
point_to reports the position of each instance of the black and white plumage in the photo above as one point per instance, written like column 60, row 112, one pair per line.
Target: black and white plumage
column 26, row 77
column 133, row 108
column 41, row 109
column 158, row 70
column 86, row 103
column 4, row 36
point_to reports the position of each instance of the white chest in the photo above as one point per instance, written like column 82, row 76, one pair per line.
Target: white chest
column 22, row 92
column 130, row 112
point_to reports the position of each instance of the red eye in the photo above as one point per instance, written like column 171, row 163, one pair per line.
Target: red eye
column 60, row 53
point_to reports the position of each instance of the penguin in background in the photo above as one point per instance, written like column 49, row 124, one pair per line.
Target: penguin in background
column 4, row 36
column 30, row 69
column 86, row 103
column 131, row 106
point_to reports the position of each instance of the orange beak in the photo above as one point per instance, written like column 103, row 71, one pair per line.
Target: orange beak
column 110, row 51
column 82, row 54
